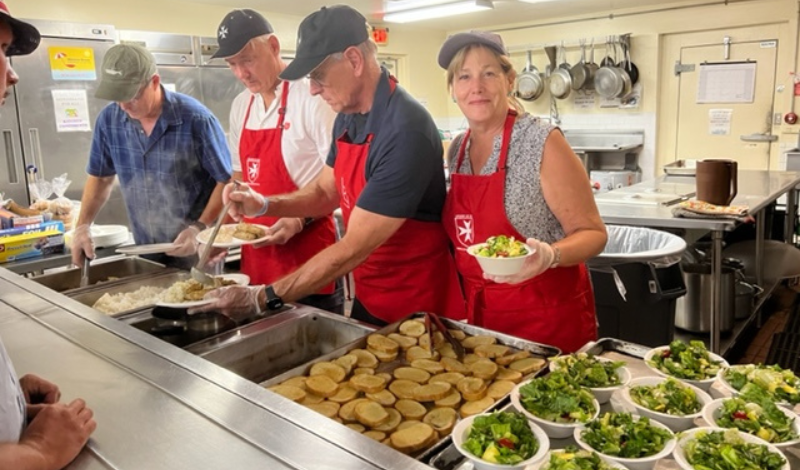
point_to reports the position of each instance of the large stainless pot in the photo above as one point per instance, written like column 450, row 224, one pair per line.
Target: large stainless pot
column 746, row 295
column 693, row 311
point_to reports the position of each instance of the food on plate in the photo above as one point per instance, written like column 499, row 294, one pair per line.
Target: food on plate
column 761, row 418
column 124, row 301
column 719, row 450
column 620, row 435
column 190, row 290
column 780, row 384
column 501, row 246
column 571, row 458
column 669, row 397
column 589, row 371
column 558, row 399
column 502, row 438
column 245, row 231
column 686, row 361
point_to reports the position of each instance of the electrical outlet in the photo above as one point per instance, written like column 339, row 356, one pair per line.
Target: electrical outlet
column 776, row 119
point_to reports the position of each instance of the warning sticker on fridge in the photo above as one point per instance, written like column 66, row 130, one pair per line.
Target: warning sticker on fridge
column 72, row 63
column 72, row 111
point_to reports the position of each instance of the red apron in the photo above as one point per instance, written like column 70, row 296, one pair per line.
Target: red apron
column 555, row 307
column 413, row 270
column 264, row 170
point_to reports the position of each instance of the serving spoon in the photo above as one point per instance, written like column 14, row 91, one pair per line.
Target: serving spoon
column 197, row 271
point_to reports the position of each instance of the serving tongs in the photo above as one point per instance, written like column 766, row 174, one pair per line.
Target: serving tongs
column 457, row 346
column 197, row 271
column 85, row 272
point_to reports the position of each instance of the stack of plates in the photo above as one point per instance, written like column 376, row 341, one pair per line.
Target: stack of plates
column 104, row 235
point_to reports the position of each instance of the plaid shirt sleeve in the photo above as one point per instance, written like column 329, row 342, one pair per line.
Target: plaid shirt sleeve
column 100, row 162
column 213, row 148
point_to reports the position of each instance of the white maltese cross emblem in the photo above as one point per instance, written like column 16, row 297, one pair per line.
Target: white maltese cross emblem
column 465, row 229
column 253, row 166
column 223, row 32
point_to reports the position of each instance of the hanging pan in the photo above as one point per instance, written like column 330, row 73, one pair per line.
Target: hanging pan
column 630, row 67
column 529, row 83
column 580, row 71
column 591, row 71
column 560, row 79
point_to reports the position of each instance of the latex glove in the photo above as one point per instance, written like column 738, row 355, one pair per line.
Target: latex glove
column 215, row 259
column 539, row 262
column 282, row 231
column 185, row 243
column 59, row 432
column 235, row 302
column 38, row 393
column 246, row 202
column 82, row 245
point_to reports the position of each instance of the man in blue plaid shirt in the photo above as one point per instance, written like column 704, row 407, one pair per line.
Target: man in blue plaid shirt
column 168, row 151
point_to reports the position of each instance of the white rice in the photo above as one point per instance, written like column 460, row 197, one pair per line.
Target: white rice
column 116, row 303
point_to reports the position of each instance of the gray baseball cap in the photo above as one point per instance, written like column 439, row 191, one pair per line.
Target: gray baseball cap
column 456, row 42
column 126, row 68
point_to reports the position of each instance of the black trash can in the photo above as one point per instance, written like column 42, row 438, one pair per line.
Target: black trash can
column 639, row 304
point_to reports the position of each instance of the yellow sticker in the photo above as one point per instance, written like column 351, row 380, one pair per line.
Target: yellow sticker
column 72, row 63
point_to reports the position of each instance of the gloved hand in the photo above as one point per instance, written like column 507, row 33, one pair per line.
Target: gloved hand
column 539, row 262
column 235, row 302
column 246, row 202
column 282, row 231
column 185, row 243
column 82, row 244
column 216, row 259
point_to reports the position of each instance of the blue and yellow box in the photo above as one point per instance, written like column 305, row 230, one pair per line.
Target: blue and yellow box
column 31, row 240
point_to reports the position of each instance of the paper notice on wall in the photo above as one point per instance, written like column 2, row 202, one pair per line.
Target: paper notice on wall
column 584, row 100
column 72, row 63
column 71, row 111
column 719, row 121
column 727, row 83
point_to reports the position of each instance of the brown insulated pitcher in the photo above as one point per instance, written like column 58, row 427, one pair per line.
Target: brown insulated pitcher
column 716, row 181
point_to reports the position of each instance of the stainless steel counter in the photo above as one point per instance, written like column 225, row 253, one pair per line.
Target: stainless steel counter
column 757, row 189
column 159, row 407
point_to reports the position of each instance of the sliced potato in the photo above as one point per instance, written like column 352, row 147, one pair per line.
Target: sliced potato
column 384, row 397
column 484, row 369
column 348, row 411
column 472, row 388
column 500, row 388
column 381, row 343
column 410, row 409
column 345, row 393
column 450, row 377
column 370, row 413
column 528, row 365
column 429, row 365
column 491, row 351
column 322, row 385
column 413, row 374
column 404, row 341
column 326, row 408
column 365, row 358
column 441, row 420
column 474, row 407
column 390, row 424
column 472, row 342
column 450, row 401
column 509, row 358
column 298, row 381
column 412, row 438
column 312, row 399
column 289, row 391
column 412, row 328
column 454, row 365
column 368, row 383
column 432, row 392
column 403, row 388
column 334, row 371
column 376, row 435
column 504, row 373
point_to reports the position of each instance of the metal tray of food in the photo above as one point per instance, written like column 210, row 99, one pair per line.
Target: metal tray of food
column 681, row 168
column 101, row 272
column 89, row 296
column 425, row 455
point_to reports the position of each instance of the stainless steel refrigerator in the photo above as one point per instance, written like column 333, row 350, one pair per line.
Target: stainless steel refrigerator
column 219, row 85
column 49, row 118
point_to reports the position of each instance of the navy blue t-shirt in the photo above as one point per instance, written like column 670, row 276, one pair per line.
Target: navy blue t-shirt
column 404, row 169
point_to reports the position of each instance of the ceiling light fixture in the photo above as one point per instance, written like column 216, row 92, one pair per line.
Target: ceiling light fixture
column 437, row 11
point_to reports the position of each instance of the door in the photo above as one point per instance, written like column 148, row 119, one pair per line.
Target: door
column 55, row 151
column 13, row 184
column 720, row 103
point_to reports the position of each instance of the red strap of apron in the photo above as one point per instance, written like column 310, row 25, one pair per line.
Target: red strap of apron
column 507, row 128
column 281, row 109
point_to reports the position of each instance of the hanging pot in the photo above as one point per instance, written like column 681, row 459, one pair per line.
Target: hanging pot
column 631, row 68
column 579, row 71
column 591, row 71
column 561, row 79
column 529, row 83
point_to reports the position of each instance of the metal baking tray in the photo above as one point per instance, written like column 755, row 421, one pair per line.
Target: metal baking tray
column 88, row 296
column 100, row 272
column 542, row 350
column 681, row 168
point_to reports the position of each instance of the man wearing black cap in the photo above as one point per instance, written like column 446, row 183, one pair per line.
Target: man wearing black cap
column 384, row 170
column 35, row 430
column 279, row 137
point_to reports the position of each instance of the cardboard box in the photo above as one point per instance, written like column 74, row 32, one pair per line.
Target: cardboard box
column 9, row 219
column 40, row 239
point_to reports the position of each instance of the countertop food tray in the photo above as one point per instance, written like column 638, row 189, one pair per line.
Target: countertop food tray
column 537, row 349
column 681, row 168
column 614, row 349
column 89, row 295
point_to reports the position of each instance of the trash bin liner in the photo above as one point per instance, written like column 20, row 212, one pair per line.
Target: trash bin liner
column 636, row 281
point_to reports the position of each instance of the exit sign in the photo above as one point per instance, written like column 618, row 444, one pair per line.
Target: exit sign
column 380, row 36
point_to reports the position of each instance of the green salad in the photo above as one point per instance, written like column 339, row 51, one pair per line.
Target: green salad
column 686, row 361
column 762, row 419
column 619, row 435
column 573, row 459
column 557, row 398
column 669, row 397
column 780, row 384
column 501, row 437
column 726, row 450
column 589, row 371
column 502, row 246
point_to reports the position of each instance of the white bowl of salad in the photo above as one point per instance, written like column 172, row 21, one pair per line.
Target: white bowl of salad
column 666, row 400
column 691, row 363
column 571, row 458
column 600, row 375
column 703, row 448
column 634, row 441
column 781, row 385
column 555, row 404
column 759, row 417
column 500, row 440
column 501, row 255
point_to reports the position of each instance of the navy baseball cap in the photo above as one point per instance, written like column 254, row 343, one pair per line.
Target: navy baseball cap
column 26, row 36
column 327, row 31
column 237, row 29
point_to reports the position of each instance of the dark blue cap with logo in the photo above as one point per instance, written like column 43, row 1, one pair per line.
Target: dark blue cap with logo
column 237, row 29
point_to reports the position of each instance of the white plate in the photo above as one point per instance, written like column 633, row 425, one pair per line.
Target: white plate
column 228, row 229
column 193, row 303
column 146, row 249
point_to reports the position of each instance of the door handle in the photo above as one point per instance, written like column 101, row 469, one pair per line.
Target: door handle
column 759, row 138
column 36, row 150
column 11, row 156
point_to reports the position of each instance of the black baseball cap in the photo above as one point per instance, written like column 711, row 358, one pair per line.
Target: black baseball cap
column 325, row 32
column 237, row 29
column 456, row 42
column 26, row 36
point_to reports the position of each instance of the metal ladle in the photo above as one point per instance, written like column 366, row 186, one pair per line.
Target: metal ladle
column 197, row 271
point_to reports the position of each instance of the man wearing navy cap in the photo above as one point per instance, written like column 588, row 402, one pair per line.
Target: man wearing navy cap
column 279, row 137
column 384, row 170
column 36, row 431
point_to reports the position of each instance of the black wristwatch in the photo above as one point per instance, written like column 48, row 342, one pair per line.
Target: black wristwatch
column 273, row 301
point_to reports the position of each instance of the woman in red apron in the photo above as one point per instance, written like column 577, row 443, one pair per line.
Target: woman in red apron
column 267, row 264
column 513, row 176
